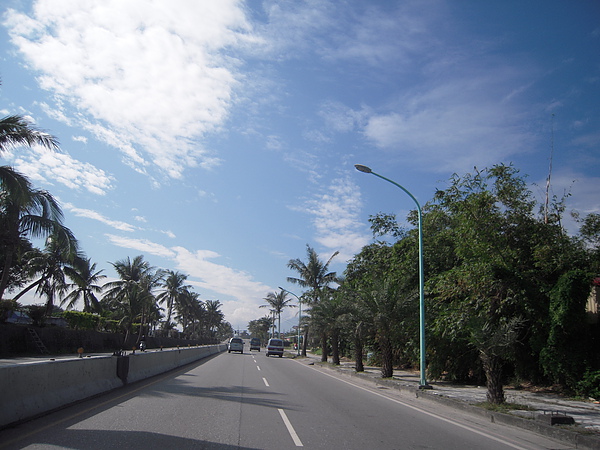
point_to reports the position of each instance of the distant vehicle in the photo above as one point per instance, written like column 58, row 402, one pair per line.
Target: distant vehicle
column 255, row 344
column 235, row 345
column 275, row 347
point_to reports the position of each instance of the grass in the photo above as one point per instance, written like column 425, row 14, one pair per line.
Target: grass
column 505, row 407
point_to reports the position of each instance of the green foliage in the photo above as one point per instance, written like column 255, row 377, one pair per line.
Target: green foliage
column 37, row 313
column 589, row 386
column 81, row 320
column 7, row 307
column 566, row 354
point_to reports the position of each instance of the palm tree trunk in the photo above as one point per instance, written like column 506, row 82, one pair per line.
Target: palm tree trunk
column 324, row 347
column 28, row 288
column 387, row 367
column 492, row 365
column 305, row 341
column 358, row 349
column 5, row 271
column 335, row 347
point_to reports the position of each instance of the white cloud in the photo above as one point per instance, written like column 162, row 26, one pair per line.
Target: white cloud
column 336, row 219
column 94, row 215
column 44, row 165
column 141, row 245
column 148, row 79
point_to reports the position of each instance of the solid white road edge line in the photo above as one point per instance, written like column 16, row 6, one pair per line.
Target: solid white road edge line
column 460, row 425
column 290, row 428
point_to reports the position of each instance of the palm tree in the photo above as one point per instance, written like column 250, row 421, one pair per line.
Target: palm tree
column 277, row 302
column 214, row 316
column 52, row 265
column 17, row 131
column 313, row 275
column 84, row 276
column 132, row 296
column 25, row 212
column 174, row 288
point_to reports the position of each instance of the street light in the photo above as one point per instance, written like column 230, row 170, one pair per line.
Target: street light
column 299, row 316
column 423, row 382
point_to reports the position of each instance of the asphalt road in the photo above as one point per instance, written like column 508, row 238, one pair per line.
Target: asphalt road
column 251, row 401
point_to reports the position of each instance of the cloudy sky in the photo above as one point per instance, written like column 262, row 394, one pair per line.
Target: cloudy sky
column 219, row 138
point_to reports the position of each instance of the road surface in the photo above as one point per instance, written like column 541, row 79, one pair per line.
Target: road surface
column 252, row 401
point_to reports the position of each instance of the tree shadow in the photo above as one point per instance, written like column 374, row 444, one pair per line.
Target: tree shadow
column 108, row 439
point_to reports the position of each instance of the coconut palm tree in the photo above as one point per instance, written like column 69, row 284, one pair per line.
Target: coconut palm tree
column 277, row 302
column 174, row 288
column 84, row 287
column 16, row 131
column 313, row 275
column 131, row 296
column 214, row 316
column 26, row 212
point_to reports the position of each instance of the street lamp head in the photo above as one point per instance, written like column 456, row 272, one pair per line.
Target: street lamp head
column 362, row 168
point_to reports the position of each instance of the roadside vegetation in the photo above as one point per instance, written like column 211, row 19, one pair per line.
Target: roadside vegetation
column 506, row 291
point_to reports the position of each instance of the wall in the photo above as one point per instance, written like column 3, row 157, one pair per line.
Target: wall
column 31, row 389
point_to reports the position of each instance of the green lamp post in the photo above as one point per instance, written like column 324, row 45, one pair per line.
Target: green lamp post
column 423, row 381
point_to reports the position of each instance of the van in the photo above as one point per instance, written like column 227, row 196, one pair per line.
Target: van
column 275, row 347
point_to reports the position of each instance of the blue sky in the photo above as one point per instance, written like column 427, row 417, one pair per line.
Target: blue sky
column 219, row 138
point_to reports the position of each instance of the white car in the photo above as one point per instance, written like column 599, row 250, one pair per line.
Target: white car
column 275, row 347
column 235, row 345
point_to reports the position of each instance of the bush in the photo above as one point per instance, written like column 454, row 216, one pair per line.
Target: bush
column 6, row 307
column 81, row 320
column 589, row 386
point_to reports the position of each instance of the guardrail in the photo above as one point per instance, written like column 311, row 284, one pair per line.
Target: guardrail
column 32, row 389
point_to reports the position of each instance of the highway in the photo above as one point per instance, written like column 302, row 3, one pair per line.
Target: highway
column 252, row 401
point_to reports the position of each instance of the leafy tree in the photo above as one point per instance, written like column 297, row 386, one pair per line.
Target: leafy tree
column 566, row 357
column 260, row 327
column 313, row 275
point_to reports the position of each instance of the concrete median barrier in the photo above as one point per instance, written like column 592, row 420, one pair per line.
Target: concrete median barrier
column 34, row 388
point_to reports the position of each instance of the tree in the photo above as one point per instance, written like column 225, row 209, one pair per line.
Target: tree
column 494, row 299
column 25, row 212
column 16, row 131
column 60, row 254
column 174, row 288
column 313, row 275
column 131, row 296
column 260, row 327
column 85, row 277
column 214, row 316
column 277, row 302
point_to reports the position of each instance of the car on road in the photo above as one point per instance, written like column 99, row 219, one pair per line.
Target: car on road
column 275, row 347
column 235, row 345
column 255, row 344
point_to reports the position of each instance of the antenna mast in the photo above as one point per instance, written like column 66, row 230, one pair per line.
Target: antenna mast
column 549, row 173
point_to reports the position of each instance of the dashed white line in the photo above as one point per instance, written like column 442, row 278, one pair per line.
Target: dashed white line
column 258, row 367
column 290, row 428
column 266, row 382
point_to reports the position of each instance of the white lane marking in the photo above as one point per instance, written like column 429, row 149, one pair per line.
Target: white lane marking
column 473, row 430
column 266, row 383
column 290, row 428
column 258, row 367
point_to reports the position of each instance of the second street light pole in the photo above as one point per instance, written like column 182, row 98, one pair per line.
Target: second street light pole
column 423, row 381
column 299, row 318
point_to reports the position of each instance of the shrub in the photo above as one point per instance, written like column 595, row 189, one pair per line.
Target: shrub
column 589, row 386
column 81, row 320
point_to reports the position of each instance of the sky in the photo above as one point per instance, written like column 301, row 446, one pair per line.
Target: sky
column 219, row 139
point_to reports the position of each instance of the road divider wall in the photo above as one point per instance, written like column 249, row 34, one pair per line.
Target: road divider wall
column 32, row 389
